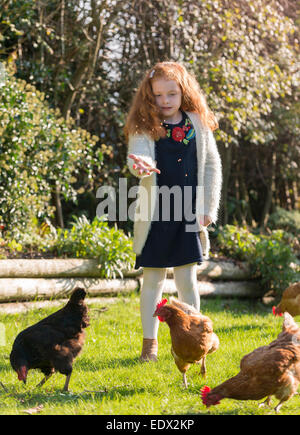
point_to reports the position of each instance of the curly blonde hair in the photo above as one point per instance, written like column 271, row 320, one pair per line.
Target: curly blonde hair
column 144, row 115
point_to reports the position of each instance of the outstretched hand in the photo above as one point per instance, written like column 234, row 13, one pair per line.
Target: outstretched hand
column 142, row 165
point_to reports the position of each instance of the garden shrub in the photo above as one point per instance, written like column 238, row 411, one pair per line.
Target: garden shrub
column 288, row 220
column 38, row 149
column 111, row 246
column 270, row 256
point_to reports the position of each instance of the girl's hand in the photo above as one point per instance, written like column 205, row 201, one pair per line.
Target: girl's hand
column 142, row 166
column 205, row 220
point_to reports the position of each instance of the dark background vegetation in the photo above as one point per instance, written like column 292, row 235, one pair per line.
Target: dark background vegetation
column 71, row 70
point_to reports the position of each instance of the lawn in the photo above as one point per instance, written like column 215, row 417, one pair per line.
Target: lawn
column 108, row 378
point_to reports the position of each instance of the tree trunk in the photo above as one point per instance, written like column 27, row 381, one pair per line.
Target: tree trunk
column 269, row 197
column 227, row 159
column 58, row 207
column 74, row 88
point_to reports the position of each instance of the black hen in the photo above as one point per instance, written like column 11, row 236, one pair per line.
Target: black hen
column 53, row 343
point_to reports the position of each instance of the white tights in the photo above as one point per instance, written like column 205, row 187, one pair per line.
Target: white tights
column 153, row 283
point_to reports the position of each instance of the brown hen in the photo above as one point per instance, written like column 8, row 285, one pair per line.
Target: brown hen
column 290, row 301
column 191, row 333
column 267, row 371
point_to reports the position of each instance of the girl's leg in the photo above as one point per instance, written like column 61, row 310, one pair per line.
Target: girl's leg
column 151, row 291
column 152, row 288
column 185, row 278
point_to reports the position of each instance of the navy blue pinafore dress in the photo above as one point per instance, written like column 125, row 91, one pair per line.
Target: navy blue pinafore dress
column 168, row 243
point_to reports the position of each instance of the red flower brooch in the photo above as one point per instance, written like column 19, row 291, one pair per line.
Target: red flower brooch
column 178, row 134
column 181, row 134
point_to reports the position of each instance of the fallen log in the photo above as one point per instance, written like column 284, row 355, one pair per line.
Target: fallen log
column 49, row 268
column 241, row 289
column 80, row 267
column 25, row 289
column 221, row 270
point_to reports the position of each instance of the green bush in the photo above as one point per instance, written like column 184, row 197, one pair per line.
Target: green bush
column 286, row 220
column 111, row 246
column 236, row 242
column 38, row 150
column 270, row 256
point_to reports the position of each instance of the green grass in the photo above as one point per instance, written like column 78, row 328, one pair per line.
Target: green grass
column 108, row 378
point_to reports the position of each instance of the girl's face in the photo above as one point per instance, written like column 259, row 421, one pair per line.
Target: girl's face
column 167, row 95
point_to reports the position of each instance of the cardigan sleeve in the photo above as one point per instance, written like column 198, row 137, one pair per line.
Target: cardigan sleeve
column 212, row 178
column 140, row 145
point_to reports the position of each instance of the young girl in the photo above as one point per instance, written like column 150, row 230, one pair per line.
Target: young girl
column 170, row 143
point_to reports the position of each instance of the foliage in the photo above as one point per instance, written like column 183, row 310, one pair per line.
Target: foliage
column 272, row 261
column 270, row 256
column 236, row 242
column 109, row 245
column 39, row 150
column 288, row 220
column 112, row 247
column 88, row 58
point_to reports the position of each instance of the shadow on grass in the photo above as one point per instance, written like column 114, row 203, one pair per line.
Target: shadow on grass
column 58, row 397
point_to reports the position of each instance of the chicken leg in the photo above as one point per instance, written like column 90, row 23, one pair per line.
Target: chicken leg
column 184, row 380
column 44, row 380
column 203, row 368
column 66, row 387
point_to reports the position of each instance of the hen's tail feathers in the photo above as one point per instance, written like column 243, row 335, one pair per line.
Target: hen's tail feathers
column 77, row 295
column 289, row 322
column 188, row 309
column 215, row 343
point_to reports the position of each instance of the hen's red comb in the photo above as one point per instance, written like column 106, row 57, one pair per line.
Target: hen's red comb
column 274, row 312
column 159, row 305
column 204, row 392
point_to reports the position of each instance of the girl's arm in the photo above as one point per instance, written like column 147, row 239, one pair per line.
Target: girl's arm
column 139, row 160
column 212, row 179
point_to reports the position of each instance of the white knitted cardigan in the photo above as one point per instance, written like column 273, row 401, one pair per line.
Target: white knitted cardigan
column 209, row 180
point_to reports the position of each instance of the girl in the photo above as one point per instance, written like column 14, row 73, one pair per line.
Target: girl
column 171, row 145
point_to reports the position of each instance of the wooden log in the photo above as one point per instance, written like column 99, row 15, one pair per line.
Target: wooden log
column 24, row 289
column 240, row 289
column 225, row 270
column 49, row 268
column 221, row 270
column 77, row 267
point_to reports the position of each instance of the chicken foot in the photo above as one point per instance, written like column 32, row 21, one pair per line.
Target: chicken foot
column 266, row 402
column 277, row 407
